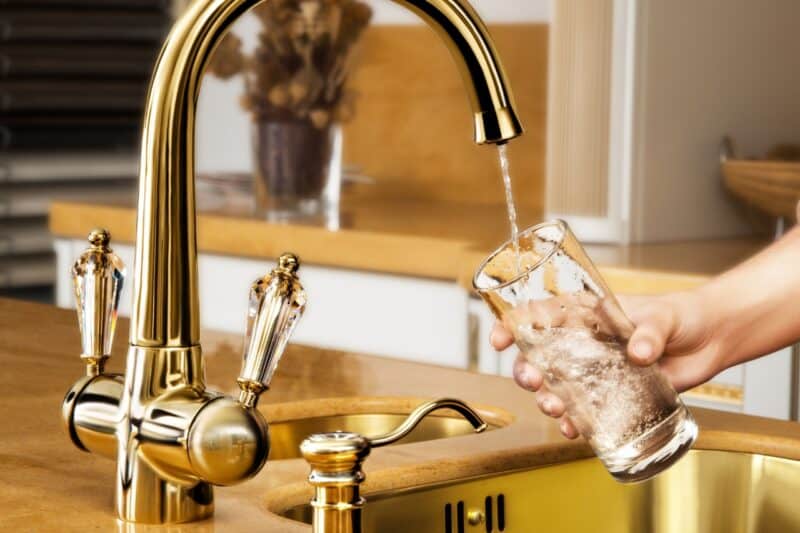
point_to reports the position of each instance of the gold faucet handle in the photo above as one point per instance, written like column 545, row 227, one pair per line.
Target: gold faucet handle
column 97, row 276
column 277, row 301
column 341, row 446
column 416, row 416
column 328, row 451
column 336, row 459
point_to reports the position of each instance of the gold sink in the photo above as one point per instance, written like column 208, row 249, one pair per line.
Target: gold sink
column 706, row 492
column 374, row 417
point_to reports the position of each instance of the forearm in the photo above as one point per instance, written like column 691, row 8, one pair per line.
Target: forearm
column 754, row 309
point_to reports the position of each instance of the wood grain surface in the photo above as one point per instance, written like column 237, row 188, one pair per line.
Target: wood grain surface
column 412, row 131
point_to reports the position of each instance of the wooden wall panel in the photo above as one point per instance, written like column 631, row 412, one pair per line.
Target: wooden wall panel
column 413, row 126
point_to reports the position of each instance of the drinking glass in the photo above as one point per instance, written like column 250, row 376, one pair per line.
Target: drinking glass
column 570, row 326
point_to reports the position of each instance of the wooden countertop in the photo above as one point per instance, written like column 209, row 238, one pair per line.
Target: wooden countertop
column 434, row 240
column 46, row 484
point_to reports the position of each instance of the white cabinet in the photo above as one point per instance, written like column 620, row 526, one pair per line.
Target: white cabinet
column 394, row 316
column 767, row 385
column 380, row 314
column 429, row 321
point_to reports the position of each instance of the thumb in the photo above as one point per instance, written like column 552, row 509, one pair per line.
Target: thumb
column 650, row 337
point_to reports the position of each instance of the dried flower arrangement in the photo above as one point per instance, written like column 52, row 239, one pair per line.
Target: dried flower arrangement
column 299, row 66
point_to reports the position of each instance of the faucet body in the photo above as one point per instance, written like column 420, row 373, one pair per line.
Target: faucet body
column 172, row 438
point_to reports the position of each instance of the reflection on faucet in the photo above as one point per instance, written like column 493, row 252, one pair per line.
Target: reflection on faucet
column 172, row 439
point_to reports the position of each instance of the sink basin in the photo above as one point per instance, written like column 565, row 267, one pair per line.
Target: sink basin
column 368, row 417
column 706, row 492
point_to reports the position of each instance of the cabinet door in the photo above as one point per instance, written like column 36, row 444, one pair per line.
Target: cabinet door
column 767, row 384
column 487, row 359
column 378, row 314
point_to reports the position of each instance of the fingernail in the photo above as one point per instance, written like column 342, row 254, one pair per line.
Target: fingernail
column 643, row 349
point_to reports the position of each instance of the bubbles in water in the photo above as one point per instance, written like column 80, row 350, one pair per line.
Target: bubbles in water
column 610, row 400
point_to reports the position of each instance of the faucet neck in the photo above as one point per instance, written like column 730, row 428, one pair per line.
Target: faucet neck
column 166, row 305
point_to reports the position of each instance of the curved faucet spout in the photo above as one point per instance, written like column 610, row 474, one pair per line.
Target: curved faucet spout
column 165, row 307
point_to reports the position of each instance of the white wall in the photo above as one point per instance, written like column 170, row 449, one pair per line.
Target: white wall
column 684, row 73
column 705, row 69
column 223, row 139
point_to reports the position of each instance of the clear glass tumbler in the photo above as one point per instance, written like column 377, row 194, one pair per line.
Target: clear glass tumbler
column 570, row 326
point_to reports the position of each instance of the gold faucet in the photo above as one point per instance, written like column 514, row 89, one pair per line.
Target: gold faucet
column 336, row 459
column 173, row 439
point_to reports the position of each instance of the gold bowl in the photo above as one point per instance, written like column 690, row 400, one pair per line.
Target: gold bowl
column 706, row 492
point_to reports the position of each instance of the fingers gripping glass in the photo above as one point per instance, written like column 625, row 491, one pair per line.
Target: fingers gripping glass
column 569, row 325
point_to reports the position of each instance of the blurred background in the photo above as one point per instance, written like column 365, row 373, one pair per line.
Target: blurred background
column 639, row 96
column 73, row 79
column 665, row 133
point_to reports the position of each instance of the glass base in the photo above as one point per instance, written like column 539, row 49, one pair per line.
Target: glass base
column 655, row 451
column 307, row 212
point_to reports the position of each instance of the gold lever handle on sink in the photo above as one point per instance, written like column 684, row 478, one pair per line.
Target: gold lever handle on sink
column 424, row 410
column 336, row 460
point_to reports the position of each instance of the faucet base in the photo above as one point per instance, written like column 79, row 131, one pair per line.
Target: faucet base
column 154, row 480
column 150, row 499
column 172, row 439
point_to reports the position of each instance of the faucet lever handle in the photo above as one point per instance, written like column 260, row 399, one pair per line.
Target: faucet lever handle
column 277, row 301
column 97, row 276
column 336, row 461
column 416, row 416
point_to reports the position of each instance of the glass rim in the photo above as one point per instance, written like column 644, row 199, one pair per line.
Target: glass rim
column 562, row 225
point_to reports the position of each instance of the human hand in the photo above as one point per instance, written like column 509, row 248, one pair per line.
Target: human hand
column 673, row 330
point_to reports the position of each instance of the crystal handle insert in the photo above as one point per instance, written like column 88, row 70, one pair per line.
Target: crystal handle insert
column 97, row 276
column 276, row 303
